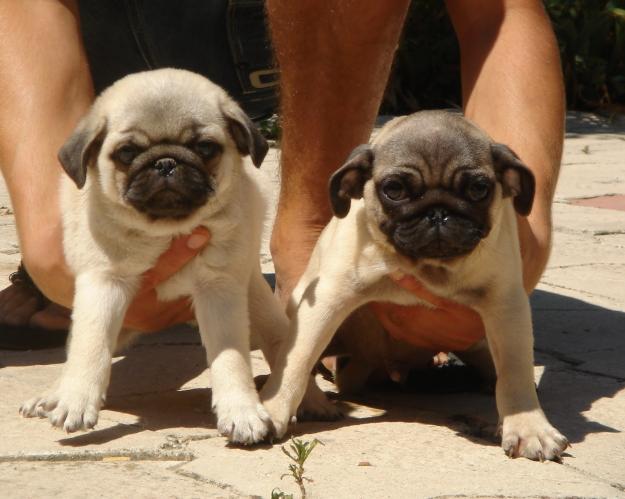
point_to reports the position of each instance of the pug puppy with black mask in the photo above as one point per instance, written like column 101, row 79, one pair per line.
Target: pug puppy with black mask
column 160, row 153
column 435, row 199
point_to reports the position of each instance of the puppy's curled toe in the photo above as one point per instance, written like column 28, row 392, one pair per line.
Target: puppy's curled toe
column 530, row 435
column 316, row 406
column 34, row 407
column 244, row 425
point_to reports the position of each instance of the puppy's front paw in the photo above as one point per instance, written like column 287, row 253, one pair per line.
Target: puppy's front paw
column 530, row 435
column 316, row 406
column 244, row 423
column 72, row 410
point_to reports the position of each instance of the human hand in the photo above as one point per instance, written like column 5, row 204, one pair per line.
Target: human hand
column 146, row 312
column 446, row 327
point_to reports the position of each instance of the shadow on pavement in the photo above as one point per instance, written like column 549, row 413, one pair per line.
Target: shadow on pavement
column 580, row 345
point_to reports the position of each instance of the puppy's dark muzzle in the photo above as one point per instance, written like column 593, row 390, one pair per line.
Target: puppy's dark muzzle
column 437, row 233
column 168, row 182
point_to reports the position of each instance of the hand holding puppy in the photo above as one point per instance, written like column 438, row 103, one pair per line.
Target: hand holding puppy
column 146, row 312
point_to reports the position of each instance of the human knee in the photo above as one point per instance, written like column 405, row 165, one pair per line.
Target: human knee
column 45, row 262
column 535, row 236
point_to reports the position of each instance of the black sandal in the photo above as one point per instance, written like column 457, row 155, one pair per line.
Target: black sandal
column 30, row 337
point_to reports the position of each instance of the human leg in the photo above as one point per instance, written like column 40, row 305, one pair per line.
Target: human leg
column 512, row 88
column 42, row 97
column 334, row 65
column 34, row 122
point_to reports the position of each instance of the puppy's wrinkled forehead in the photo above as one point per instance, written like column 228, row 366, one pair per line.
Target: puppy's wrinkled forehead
column 169, row 106
column 435, row 144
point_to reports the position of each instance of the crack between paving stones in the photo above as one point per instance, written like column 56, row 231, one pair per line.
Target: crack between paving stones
column 577, row 232
column 609, row 232
column 99, row 456
column 590, row 295
column 181, row 441
column 600, row 375
column 573, row 363
column 585, row 310
column 559, row 356
column 177, row 469
column 617, row 486
column 587, row 264
column 502, row 496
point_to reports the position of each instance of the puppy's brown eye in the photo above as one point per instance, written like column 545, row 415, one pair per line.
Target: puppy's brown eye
column 478, row 189
column 394, row 189
column 207, row 149
column 126, row 154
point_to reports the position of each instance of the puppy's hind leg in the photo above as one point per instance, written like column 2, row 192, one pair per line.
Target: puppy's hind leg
column 270, row 327
column 479, row 357
column 362, row 338
column 100, row 303
column 223, row 318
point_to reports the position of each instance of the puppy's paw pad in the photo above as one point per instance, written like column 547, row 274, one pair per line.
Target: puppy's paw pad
column 530, row 435
column 244, row 424
column 317, row 407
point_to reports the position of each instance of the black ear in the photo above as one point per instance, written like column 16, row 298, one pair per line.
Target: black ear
column 245, row 134
column 81, row 149
column 516, row 178
column 349, row 180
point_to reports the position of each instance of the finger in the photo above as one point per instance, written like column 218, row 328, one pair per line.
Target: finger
column 146, row 313
column 431, row 329
column 181, row 250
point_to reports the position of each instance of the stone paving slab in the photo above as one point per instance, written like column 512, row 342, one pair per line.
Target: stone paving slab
column 112, row 479
column 156, row 436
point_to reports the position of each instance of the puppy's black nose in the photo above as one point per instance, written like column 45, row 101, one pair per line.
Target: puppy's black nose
column 437, row 216
column 165, row 166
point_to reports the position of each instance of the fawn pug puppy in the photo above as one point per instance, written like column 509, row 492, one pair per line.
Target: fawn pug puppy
column 160, row 153
column 433, row 197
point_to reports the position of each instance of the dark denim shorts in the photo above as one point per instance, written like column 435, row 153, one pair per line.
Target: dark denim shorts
column 225, row 40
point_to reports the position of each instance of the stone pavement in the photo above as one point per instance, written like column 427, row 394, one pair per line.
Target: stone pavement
column 156, row 437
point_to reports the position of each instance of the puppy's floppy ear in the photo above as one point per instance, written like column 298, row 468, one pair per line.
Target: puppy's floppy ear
column 246, row 136
column 516, row 178
column 82, row 148
column 349, row 180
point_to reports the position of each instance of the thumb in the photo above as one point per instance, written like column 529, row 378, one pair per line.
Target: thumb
column 179, row 253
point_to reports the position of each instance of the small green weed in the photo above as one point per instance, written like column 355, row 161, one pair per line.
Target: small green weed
column 278, row 494
column 298, row 453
